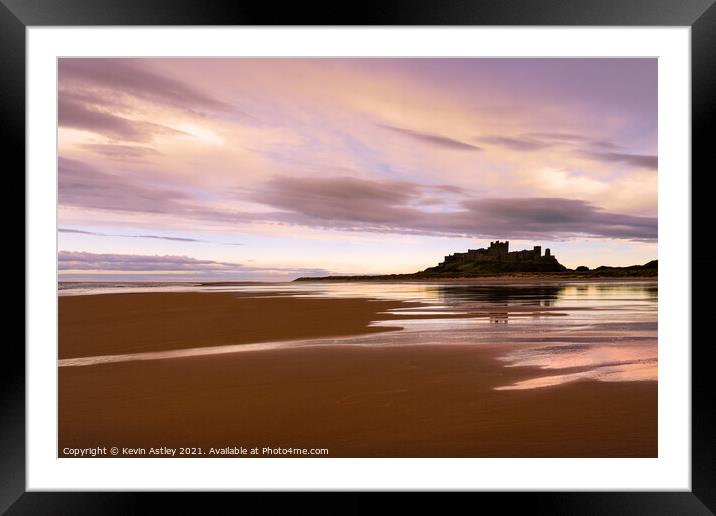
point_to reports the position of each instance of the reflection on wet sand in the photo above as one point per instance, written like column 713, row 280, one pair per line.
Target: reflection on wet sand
column 561, row 332
column 498, row 317
column 500, row 294
column 608, row 332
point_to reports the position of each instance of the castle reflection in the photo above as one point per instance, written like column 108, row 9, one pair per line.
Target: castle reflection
column 535, row 295
column 498, row 317
column 541, row 295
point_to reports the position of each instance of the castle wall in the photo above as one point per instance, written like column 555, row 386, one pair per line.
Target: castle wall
column 499, row 251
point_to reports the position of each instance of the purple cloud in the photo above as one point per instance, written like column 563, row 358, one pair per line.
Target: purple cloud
column 604, row 144
column 129, row 76
column 433, row 139
column 83, row 186
column 518, row 144
column 562, row 137
column 636, row 160
column 532, row 216
column 554, row 138
column 607, row 154
column 129, row 153
column 352, row 204
column 156, row 237
column 78, row 116
column 170, row 264
column 73, row 260
column 342, row 198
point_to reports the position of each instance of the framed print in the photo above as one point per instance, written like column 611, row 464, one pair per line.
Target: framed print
column 449, row 250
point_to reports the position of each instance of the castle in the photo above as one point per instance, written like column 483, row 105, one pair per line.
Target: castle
column 496, row 259
column 500, row 252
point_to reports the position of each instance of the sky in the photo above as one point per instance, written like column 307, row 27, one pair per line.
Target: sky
column 271, row 169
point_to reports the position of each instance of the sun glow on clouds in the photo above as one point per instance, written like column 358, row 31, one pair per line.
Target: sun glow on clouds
column 199, row 133
column 369, row 165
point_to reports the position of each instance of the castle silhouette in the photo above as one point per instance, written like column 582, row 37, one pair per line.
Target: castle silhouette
column 499, row 258
column 500, row 251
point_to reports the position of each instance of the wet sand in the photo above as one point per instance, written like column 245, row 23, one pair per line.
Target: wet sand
column 407, row 401
column 111, row 324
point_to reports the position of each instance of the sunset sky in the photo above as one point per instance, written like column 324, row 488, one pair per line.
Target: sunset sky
column 270, row 169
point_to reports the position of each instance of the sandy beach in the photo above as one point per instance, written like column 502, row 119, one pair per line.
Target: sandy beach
column 406, row 401
column 134, row 323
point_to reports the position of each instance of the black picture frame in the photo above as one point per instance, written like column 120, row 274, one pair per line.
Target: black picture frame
column 700, row 15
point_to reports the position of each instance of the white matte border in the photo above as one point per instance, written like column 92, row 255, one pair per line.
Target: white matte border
column 670, row 471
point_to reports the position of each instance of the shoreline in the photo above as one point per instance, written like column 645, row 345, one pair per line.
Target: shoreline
column 526, row 278
column 555, row 277
column 523, row 278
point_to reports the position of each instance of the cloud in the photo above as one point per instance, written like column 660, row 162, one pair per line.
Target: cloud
column 514, row 143
column 539, row 141
column 78, row 231
column 353, row 204
column 156, row 237
column 557, row 216
column 342, row 198
column 171, row 264
column 604, row 144
column 78, row 116
column 122, row 152
column 83, row 186
column 77, row 260
column 433, row 139
column 585, row 145
column 382, row 206
column 562, row 137
column 129, row 76
column 636, row 160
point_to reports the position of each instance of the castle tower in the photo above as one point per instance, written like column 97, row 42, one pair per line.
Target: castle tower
column 547, row 252
column 499, row 248
column 538, row 251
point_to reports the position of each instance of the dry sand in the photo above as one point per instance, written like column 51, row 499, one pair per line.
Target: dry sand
column 416, row 401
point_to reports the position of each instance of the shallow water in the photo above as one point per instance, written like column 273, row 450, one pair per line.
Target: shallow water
column 605, row 331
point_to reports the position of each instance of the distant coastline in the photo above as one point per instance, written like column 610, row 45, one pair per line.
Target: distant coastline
column 497, row 261
column 649, row 270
